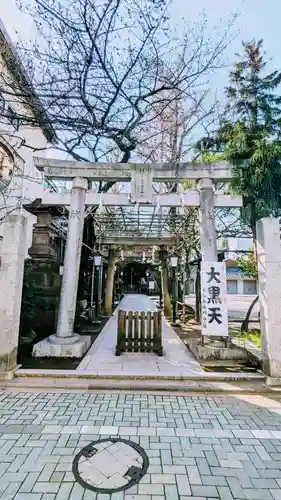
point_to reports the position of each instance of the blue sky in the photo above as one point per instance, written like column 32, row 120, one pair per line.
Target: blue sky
column 258, row 18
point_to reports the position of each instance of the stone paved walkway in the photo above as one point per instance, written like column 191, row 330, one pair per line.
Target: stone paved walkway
column 101, row 359
column 199, row 447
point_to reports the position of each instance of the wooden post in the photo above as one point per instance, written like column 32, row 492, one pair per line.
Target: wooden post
column 121, row 333
column 158, row 349
column 149, row 332
column 136, row 332
column 155, row 329
column 142, row 332
column 130, row 332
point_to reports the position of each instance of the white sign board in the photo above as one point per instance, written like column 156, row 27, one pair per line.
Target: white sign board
column 141, row 184
column 151, row 285
column 214, row 299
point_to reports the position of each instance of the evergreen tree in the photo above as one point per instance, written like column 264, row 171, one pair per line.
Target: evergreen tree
column 249, row 134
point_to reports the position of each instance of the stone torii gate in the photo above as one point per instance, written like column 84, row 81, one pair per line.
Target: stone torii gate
column 65, row 342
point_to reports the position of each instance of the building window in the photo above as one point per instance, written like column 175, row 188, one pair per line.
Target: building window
column 232, row 287
column 13, row 119
column 250, row 287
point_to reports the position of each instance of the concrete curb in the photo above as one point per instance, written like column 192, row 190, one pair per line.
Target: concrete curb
column 195, row 377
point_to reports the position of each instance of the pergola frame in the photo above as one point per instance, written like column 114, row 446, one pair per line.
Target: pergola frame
column 150, row 216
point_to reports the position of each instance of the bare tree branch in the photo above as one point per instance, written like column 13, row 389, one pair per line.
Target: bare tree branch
column 101, row 68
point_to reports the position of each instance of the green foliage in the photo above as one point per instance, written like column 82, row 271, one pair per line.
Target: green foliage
column 210, row 157
column 254, row 337
column 249, row 135
column 249, row 265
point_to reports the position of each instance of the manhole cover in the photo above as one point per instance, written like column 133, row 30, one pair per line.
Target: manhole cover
column 110, row 465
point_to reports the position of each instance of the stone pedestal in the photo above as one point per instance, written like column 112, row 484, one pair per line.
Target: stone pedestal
column 11, row 279
column 52, row 348
column 42, row 280
column 43, row 241
column 269, row 268
column 216, row 353
column 41, row 292
column 207, row 225
column 66, row 343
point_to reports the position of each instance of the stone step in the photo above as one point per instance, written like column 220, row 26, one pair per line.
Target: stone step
column 211, row 383
column 114, row 375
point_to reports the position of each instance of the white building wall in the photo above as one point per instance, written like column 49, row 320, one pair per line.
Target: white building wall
column 27, row 182
column 236, row 244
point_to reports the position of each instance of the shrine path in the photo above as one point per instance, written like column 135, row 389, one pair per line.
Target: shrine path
column 101, row 359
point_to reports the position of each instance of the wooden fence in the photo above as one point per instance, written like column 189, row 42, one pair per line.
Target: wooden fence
column 139, row 332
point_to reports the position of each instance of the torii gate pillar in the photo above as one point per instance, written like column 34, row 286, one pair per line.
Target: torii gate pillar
column 65, row 343
column 207, row 224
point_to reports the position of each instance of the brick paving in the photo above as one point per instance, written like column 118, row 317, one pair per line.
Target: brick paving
column 200, row 447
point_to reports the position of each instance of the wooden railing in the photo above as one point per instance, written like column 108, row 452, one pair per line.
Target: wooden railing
column 139, row 332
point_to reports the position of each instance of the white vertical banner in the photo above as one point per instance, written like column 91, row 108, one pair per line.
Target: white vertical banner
column 141, row 184
column 214, row 299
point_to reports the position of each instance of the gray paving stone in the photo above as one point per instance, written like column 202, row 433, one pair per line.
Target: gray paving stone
column 203, row 466
column 114, row 496
column 193, row 475
column 10, row 477
column 171, row 492
column 77, row 492
column 228, row 432
column 214, row 481
column 47, row 472
column 174, row 469
column 57, row 477
column 151, row 489
column 225, row 493
column 64, row 491
column 45, row 487
column 254, row 494
column 29, row 482
column 235, row 487
column 138, row 497
column 183, row 485
column 28, row 496
column 166, row 457
column 211, row 458
column 205, row 491
column 163, row 478
column 276, row 494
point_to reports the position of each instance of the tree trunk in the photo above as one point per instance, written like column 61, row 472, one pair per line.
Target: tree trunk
column 109, row 282
column 198, row 295
column 165, row 283
column 245, row 324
